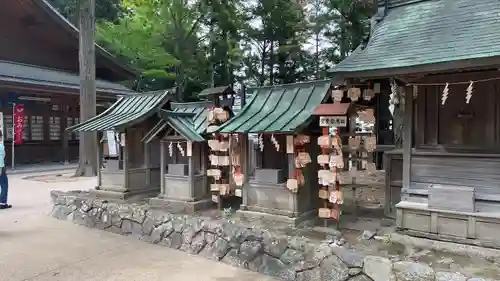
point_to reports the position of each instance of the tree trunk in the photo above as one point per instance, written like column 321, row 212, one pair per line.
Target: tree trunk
column 316, row 56
column 271, row 62
column 262, row 78
column 87, row 165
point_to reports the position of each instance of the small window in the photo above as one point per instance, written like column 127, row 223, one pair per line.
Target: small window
column 55, row 128
column 7, row 119
column 37, row 128
column 76, row 136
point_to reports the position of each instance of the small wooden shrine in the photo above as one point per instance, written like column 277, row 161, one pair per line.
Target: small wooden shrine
column 180, row 136
column 281, row 180
column 134, row 171
column 445, row 103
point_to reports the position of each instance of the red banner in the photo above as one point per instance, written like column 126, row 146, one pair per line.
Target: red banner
column 18, row 123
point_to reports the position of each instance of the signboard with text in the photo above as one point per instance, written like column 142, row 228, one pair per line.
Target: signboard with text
column 18, row 123
column 112, row 143
column 333, row 121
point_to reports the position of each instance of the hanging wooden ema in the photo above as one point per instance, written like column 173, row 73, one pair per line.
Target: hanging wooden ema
column 337, row 95
column 236, row 171
column 219, row 158
column 331, row 161
column 354, row 93
column 331, row 118
column 302, row 158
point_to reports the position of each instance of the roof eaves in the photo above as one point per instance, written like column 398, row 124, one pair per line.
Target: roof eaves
column 92, row 119
column 69, row 27
column 215, row 91
column 439, row 67
column 123, row 119
column 160, row 126
column 407, row 62
column 76, row 88
column 183, row 123
column 300, row 101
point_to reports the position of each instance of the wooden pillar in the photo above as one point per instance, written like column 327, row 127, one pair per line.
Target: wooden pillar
column 147, row 163
column 203, row 151
column 407, row 136
column 245, row 169
column 125, row 161
column 294, row 203
column 203, row 156
column 146, row 155
column 191, row 175
column 99, row 165
column 64, row 133
column 162, row 167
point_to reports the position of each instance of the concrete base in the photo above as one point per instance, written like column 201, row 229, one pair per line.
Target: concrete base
column 179, row 206
column 480, row 229
column 294, row 221
column 126, row 195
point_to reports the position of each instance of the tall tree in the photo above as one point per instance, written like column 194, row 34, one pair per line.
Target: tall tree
column 162, row 39
column 87, row 165
column 351, row 25
column 223, row 20
column 137, row 38
column 180, row 38
column 277, row 36
column 318, row 24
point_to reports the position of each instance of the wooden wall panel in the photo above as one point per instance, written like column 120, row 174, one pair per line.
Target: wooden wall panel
column 482, row 173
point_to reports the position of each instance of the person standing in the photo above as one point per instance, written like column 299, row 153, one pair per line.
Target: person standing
column 4, row 181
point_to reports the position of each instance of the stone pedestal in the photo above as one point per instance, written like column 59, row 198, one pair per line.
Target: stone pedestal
column 183, row 194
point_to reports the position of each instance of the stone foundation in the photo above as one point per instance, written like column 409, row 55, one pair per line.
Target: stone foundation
column 283, row 257
column 180, row 206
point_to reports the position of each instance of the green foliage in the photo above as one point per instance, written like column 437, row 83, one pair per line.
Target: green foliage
column 105, row 9
column 193, row 44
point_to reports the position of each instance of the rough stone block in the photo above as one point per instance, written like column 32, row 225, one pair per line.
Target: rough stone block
column 178, row 169
column 249, row 250
column 412, row 271
column 333, row 269
column 449, row 276
column 273, row 176
column 348, row 256
column 274, row 267
column 452, row 198
column 378, row 268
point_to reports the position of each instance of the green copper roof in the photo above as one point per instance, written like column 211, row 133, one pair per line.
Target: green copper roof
column 127, row 111
column 429, row 32
column 216, row 91
column 278, row 109
column 188, row 119
column 200, row 111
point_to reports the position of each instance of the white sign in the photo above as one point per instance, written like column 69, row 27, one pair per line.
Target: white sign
column 333, row 121
column 2, row 127
column 112, row 143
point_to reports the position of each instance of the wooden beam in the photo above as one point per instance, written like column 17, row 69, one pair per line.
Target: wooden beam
column 162, row 167
column 125, row 160
column 245, row 154
column 147, row 161
column 174, row 138
column 99, row 163
column 407, row 136
column 191, row 175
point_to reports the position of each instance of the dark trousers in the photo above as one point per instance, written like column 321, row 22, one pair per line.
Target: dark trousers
column 4, row 184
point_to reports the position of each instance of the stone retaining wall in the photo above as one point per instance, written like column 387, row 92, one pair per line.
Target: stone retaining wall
column 283, row 257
